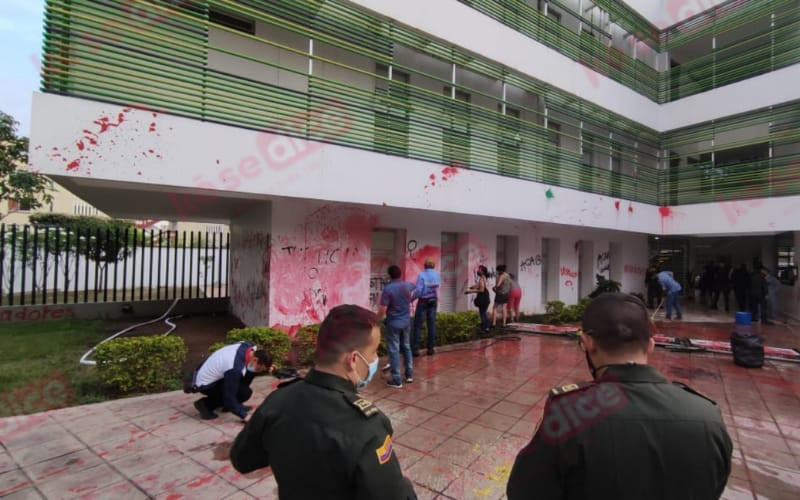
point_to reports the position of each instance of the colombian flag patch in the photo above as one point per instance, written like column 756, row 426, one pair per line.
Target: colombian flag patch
column 385, row 451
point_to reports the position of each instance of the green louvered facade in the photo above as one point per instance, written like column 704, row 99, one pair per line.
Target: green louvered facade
column 159, row 54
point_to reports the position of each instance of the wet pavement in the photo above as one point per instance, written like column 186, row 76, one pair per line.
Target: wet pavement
column 458, row 427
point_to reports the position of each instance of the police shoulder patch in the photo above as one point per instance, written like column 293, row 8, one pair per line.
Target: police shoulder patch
column 564, row 389
column 696, row 393
column 365, row 407
column 384, row 451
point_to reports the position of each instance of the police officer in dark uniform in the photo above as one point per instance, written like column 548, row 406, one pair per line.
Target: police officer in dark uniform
column 629, row 434
column 322, row 440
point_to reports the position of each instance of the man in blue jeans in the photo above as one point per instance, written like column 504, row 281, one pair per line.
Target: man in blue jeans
column 673, row 289
column 427, row 293
column 395, row 304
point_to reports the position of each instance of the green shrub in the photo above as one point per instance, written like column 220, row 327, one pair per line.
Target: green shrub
column 146, row 364
column 557, row 312
column 274, row 341
column 452, row 328
column 605, row 286
column 304, row 345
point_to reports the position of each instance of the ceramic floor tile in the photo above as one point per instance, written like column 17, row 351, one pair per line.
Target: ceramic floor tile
column 434, row 473
column 463, row 411
column 124, row 490
column 496, row 421
column 13, row 481
column 81, row 483
column 24, row 494
column 68, row 464
column 458, row 452
column 478, row 434
column 443, row 424
column 421, row 439
column 473, row 486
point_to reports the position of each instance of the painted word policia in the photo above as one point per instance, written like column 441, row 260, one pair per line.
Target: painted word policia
column 627, row 434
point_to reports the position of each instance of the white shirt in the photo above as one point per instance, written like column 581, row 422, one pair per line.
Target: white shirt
column 217, row 364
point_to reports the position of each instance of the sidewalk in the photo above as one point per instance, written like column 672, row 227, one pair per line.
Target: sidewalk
column 458, row 428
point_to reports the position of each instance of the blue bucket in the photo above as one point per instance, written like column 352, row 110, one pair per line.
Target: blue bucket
column 743, row 318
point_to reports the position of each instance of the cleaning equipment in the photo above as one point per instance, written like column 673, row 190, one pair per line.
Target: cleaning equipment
column 166, row 317
column 653, row 317
column 747, row 347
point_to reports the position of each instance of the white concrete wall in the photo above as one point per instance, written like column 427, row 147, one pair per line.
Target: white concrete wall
column 250, row 266
column 320, row 255
column 162, row 150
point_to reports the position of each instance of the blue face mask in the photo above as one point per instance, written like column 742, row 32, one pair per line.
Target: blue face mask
column 251, row 369
column 373, row 368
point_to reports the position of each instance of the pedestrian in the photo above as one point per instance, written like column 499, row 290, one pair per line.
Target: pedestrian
column 395, row 305
column 482, row 299
column 722, row 283
column 320, row 437
column 759, row 295
column 514, row 299
column 708, row 286
column 427, row 293
column 653, row 288
column 225, row 377
column 673, row 289
column 740, row 280
column 772, row 294
column 502, row 291
column 628, row 433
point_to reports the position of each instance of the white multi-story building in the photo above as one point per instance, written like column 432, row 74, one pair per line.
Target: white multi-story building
column 564, row 138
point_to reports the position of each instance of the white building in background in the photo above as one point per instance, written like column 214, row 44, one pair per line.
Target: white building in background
column 337, row 137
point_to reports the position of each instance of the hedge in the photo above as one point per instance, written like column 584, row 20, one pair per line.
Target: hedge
column 274, row 341
column 141, row 364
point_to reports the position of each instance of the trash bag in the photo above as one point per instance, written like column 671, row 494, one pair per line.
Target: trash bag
column 748, row 349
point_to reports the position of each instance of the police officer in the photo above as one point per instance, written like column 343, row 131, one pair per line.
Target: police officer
column 322, row 440
column 629, row 434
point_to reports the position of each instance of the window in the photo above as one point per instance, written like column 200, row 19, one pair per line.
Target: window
column 455, row 136
column 786, row 270
column 235, row 23
column 391, row 117
column 587, row 168
column 509, row 143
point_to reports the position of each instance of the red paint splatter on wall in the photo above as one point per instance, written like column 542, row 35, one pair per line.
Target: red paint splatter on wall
column 74, row 164
column 449, row 172
column 152, row 127
column 616, row 204
column 630, row 208
column 665, row 211
column 323, row 262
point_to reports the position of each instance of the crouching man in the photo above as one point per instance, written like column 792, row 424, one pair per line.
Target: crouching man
column 225, row 378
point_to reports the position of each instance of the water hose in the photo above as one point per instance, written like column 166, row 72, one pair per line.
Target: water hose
column 90, row 362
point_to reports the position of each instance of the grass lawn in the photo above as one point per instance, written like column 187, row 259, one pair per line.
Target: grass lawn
column 39, row 367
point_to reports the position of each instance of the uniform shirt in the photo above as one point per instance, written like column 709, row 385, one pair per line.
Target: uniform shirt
column 428, row 282
column 628, row 435
column 668, row 282
column 397, row 296
column 323, row 441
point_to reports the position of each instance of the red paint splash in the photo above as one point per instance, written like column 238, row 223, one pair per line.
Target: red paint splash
column 330, row 234
column 105, row 122
column 74, row 164
column 152, row 127
column 449, row 172
column 630, row 208
column 616, row 204
column 80, row 145
column 201, row 481
column 665, row 211
column 174, row 496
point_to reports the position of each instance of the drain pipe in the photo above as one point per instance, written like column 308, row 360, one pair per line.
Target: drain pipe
column 90, row 362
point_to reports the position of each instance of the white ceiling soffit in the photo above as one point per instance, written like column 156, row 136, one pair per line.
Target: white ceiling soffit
column 666, row 13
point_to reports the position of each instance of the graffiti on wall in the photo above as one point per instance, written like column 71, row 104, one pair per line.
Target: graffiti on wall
column 603, row 262
column 323, row 262
column 633, row 269
column 529, row 263
column 249, row 283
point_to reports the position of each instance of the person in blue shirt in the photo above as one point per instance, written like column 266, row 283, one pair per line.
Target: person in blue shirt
column 673, row 289
column 395, row 305
column 427, row 293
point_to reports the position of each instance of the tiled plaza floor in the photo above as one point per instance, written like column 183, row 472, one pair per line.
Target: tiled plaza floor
column 458, row 428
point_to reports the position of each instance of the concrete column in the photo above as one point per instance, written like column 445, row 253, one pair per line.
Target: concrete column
column 250, row 266
column 320, row 258
column 568, row 270
column 474, row 249
column 529, row 272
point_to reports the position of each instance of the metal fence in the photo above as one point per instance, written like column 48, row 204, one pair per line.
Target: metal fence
column 53, row 265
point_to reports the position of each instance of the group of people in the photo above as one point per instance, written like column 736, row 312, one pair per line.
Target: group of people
column 507, row 297
column 755, row 291
column 322, row 439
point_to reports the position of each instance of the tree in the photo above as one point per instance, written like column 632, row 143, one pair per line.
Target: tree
column 18, row 184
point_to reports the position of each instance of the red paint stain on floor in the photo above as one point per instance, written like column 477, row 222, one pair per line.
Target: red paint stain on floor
column 200, row 482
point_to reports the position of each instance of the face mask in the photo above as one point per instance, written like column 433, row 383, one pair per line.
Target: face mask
column 251, row 368
column 373, row 368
